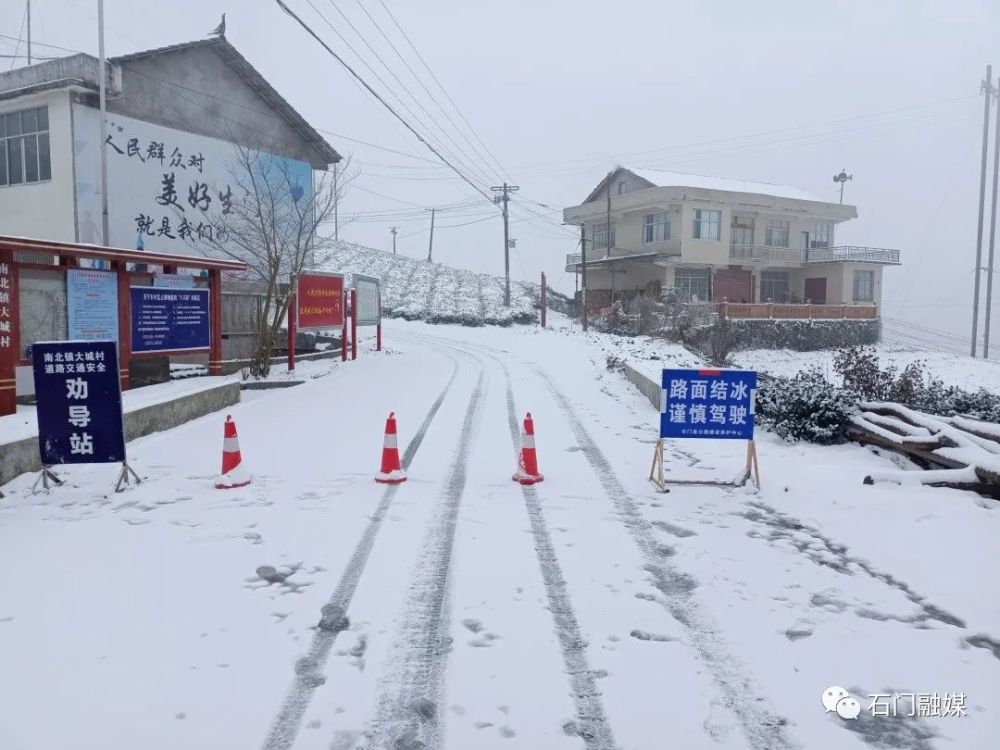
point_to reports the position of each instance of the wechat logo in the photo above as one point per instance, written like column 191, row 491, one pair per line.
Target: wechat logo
column 837, row 699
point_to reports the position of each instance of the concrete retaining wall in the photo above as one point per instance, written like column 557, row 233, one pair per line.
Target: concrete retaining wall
column 647, row 387
column 22, row 456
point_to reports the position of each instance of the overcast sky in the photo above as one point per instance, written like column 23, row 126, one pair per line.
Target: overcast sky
column 786, row 91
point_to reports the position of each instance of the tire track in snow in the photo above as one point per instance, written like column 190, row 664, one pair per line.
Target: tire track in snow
column 763, row 729
column 407, row 716
column 308, row 669
column 594, row 726
column 595, row 730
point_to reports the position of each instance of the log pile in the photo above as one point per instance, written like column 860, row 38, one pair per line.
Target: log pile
column 955, row 452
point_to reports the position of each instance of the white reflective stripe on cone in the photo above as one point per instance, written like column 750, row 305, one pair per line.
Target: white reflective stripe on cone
column 390, row 440
column 230, row 445
column 528, row 441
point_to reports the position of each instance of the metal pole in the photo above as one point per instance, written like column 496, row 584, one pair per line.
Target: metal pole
column 336, row 205
column 842, row 183
column 543, row 300
column 105, row 232
column 29, row 32
column 343, row 326
column 292, row 310
column 393, row 240
column 430, row 245
column 993, row 228
column 611, row 267
column 982, row 206
column 583, row 273
column 354, row 324
column 506, row 249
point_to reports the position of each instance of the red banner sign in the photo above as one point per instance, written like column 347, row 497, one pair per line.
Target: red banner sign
column 319, row 300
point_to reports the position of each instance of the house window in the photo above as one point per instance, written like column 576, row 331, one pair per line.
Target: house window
column 776, row 233
column 820, row 237
column 656, row 227
column 774, row 286
column 621, row 187
column 24, row 146
column 742, row 231
column 706, row 224
column 601, row 235
column 864, row 286
column 693, row 284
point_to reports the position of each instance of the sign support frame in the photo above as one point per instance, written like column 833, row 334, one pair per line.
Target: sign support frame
column 751, row 471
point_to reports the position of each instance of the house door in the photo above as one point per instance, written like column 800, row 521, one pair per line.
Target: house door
column 732, row 284
column 816, row 290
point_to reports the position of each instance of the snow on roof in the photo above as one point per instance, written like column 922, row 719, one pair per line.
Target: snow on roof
column 664, row 178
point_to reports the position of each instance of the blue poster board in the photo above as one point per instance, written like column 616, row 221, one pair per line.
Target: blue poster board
column 169, row 320
column 92, row 305
column 79, row 402
column 716, row 404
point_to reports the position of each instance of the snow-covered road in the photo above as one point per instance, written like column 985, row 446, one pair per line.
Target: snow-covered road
column 462, row 610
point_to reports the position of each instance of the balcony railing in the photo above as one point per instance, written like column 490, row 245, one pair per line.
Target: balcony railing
column 650, row 253
column 848, row 253
column 765, row 252
column 777, row 311
column 853, row 254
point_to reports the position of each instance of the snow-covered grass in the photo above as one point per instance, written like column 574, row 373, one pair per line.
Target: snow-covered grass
column 420, row 290
column 952, row 369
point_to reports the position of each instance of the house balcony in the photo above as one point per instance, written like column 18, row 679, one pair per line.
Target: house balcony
column 656, row 254
column 846, row 254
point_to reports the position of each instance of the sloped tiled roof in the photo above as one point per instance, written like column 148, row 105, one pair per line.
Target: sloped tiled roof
column 254, row 80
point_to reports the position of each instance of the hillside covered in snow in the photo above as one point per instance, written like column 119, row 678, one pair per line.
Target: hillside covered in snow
column 421, row 290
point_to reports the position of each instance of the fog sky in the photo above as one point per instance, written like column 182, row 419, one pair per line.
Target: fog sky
column 562, row 91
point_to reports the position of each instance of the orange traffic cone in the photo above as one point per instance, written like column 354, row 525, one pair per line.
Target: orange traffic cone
column 527, row 467
column 391, row 471
column 234, row 473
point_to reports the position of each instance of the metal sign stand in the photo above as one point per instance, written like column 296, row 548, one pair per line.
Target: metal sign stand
column 44, row 478
column 123, row 477
column 751, row 470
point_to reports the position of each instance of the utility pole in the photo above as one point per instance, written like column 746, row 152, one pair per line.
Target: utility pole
column 504, row 198
column 104, row 126
column 583, row 273
column 393, row 230
column 336, row 205
column 842, row 178
column 29, row 31
column 430, row 245
column 993, row 229
column 986, row 87
column 607, row 227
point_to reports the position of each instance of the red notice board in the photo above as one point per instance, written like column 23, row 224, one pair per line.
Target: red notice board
column 320, row 300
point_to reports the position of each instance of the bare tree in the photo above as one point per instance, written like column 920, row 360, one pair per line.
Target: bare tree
column 276, row 219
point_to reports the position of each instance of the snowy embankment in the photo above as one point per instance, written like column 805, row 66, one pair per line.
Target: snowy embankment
column 421, row 290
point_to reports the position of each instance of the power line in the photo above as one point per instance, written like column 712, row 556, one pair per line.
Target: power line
column 758, row 134
column 420, row 81
column 19, row 33
column 413, row 115
column 466, row 161
column 443, row 89
column 382, row 101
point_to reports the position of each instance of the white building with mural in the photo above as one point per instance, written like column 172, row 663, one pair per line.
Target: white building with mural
column 174, row 118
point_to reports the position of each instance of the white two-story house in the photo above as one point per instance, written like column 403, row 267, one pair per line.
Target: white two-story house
column 764, row 250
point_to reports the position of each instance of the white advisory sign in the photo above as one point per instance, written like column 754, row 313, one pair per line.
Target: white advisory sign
column 369, row 311
column 168, row 190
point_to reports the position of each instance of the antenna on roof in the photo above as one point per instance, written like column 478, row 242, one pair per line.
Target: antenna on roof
column 220, row 30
